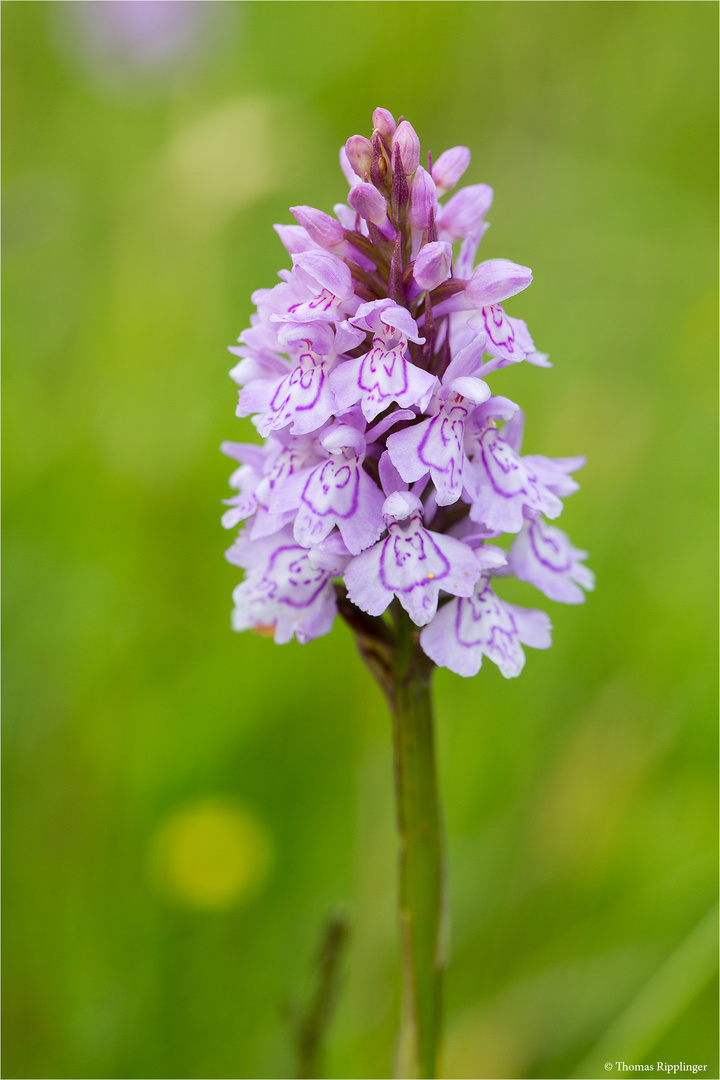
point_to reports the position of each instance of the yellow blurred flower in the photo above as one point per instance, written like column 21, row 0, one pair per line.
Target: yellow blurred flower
column 210, row 854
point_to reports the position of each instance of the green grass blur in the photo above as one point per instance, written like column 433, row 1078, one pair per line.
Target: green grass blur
column 183, row 806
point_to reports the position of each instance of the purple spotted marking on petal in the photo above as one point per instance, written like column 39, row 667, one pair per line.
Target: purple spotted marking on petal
column 287, row 462
column 332, row 488
column 480, row 616
column 322, row 304
column 549, row 549
column 441, row 447
column 291, row 579
column 500, row 331
column 507, row 475
column 383, row 375
column 300, row 390
column 411, row 550
column 483, row 621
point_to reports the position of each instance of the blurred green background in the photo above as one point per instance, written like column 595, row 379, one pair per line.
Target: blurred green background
column 185, row 807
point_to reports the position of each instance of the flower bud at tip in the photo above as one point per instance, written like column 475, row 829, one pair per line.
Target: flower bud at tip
column 380, row 164
column 405, row 138
column 384, row 123
column 359, row 154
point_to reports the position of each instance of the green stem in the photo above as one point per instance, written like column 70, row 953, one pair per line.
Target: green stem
column 421, row 853
column 392, row 652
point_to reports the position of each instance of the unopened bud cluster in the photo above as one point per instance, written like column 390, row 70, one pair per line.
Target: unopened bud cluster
column 388, row 466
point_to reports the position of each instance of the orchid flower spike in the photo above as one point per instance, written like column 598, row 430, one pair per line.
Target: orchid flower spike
column 389, row 466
